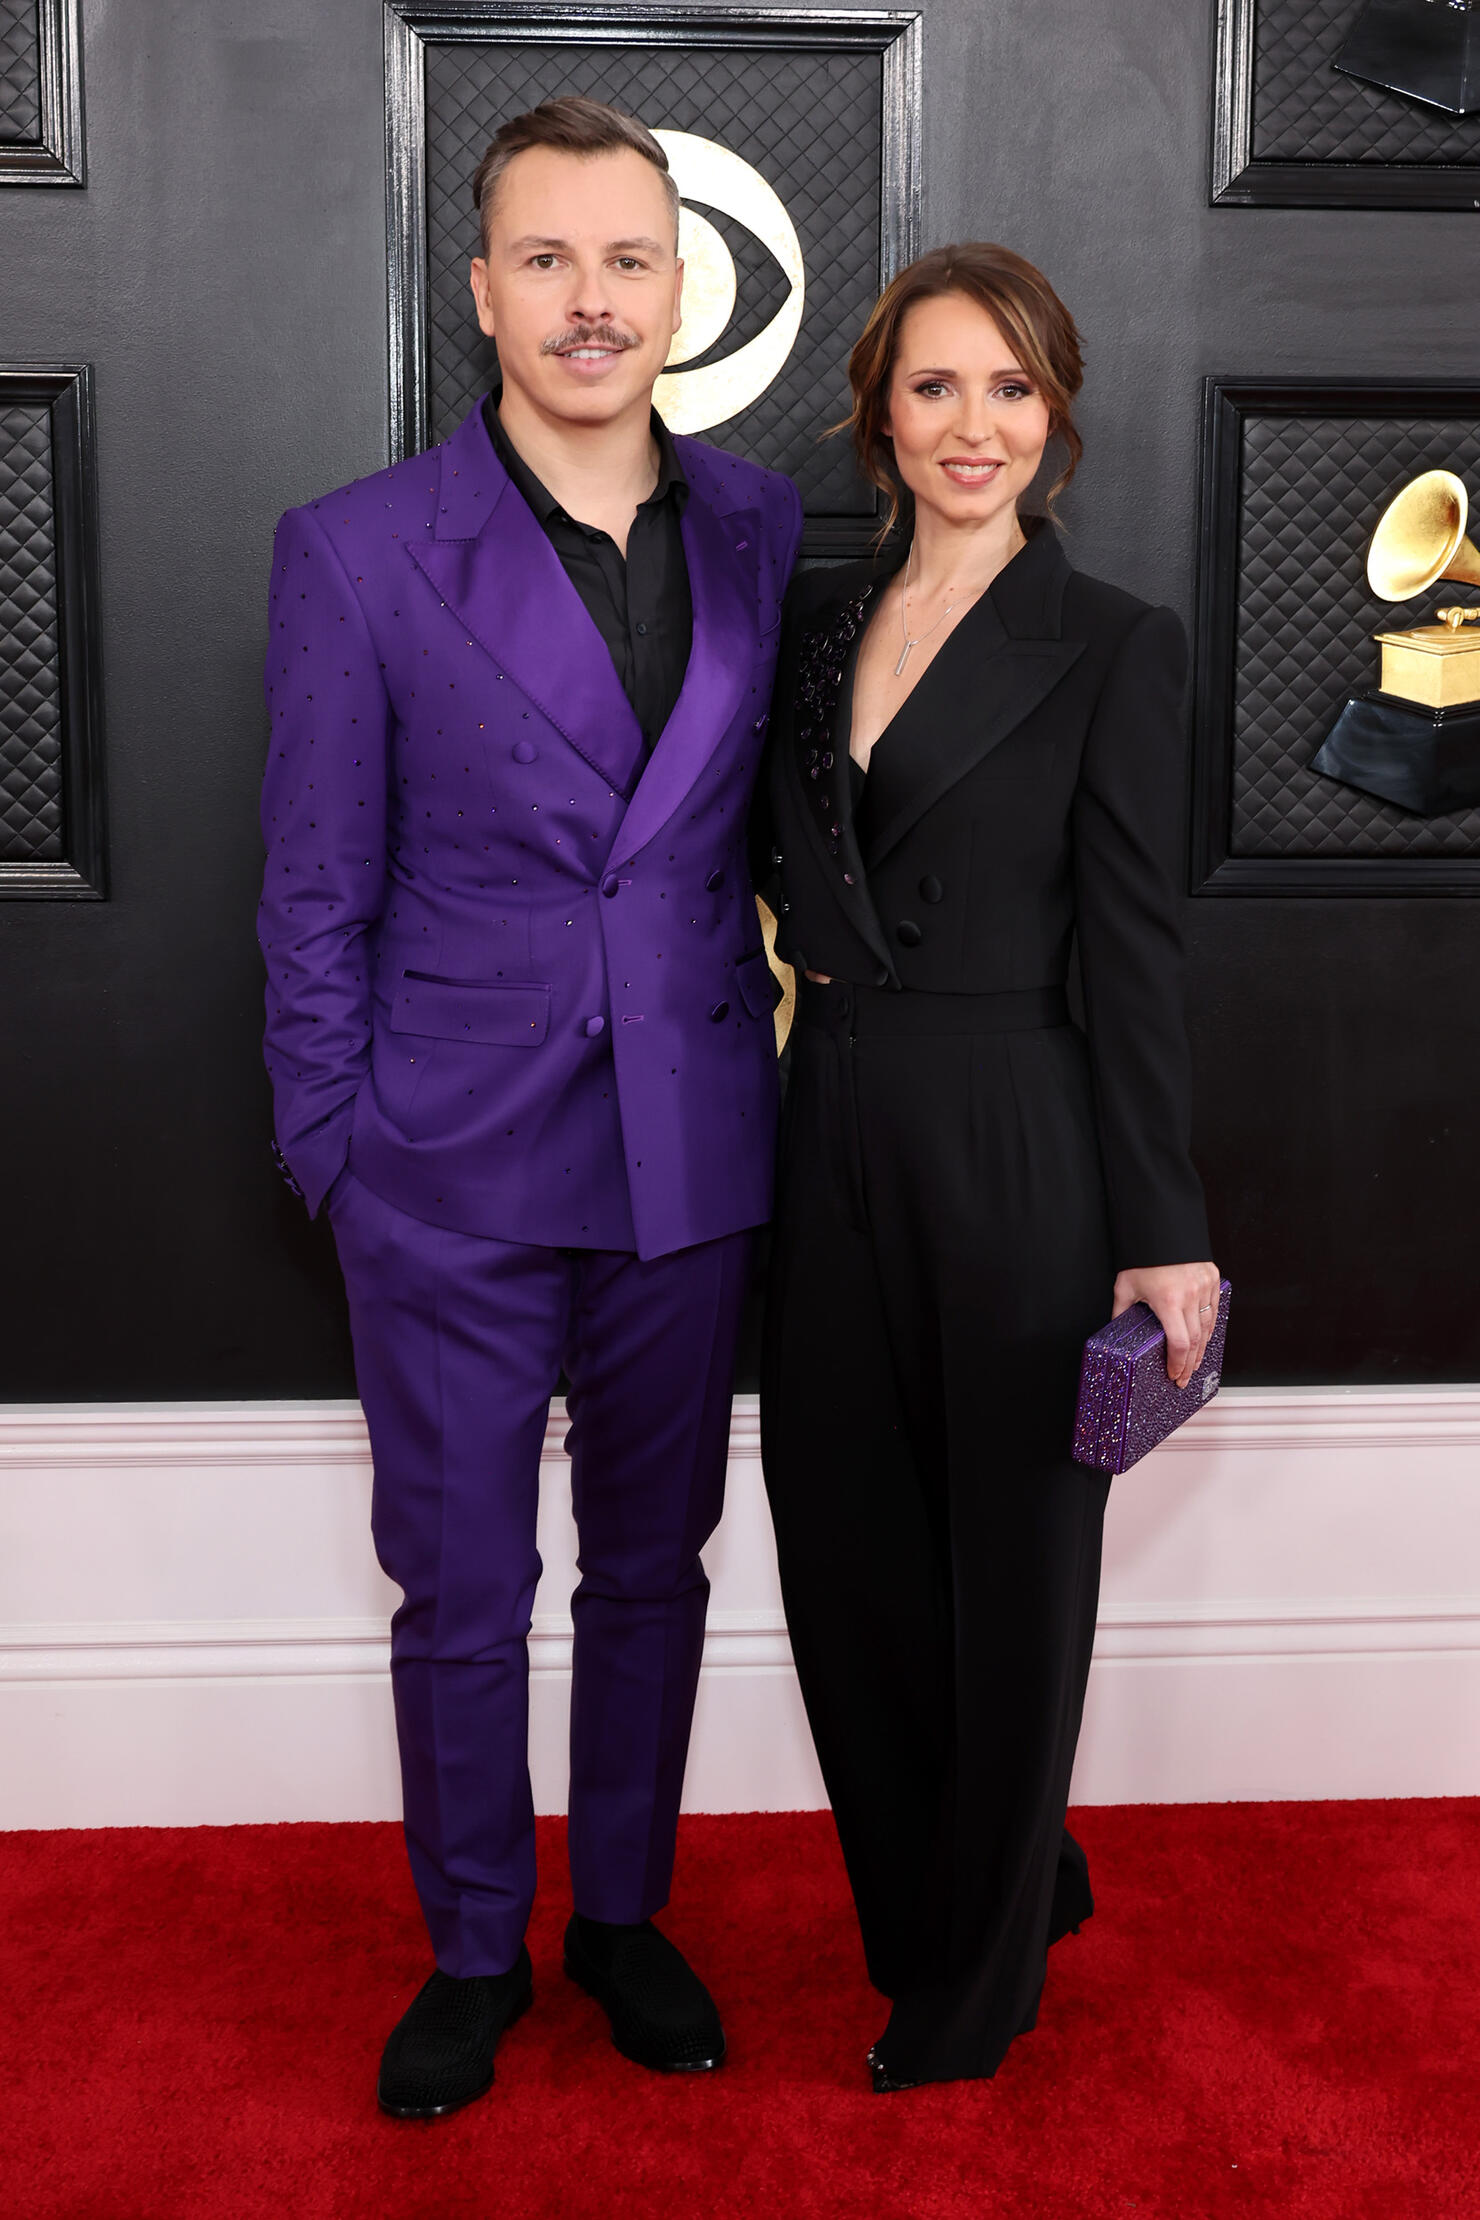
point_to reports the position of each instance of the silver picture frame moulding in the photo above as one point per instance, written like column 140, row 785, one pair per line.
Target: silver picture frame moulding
column 1316, row 574
column 74, row 744
column 412, row 26
column 54, row 153
column 1243, row 178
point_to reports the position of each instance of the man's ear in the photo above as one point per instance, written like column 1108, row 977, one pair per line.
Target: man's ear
column 678, row 293
column 478, row 284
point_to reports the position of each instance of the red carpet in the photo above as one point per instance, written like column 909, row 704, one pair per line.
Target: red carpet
column 1274, row 2012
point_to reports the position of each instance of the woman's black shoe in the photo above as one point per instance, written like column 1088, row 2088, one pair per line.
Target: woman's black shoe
column 661, row 2013
column 885, row 2084
column 440, row 2053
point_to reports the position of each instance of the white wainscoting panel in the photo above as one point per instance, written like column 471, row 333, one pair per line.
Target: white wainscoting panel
column 193, row 1626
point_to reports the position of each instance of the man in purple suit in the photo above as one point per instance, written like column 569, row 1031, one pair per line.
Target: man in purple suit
column 519, row 1031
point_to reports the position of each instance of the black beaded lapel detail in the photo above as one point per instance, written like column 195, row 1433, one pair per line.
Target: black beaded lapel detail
column 822, row 770
column 820, row 663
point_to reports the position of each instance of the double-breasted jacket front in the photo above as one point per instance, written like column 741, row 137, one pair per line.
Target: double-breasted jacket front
column 514, row 968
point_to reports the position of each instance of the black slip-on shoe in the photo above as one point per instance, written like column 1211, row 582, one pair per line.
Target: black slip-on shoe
column 440, row 2053
column 662, row 2015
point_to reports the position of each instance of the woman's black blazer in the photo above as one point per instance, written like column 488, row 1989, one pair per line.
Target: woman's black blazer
column 1028, row 792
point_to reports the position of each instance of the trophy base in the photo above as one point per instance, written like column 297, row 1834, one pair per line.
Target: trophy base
column 1425, row 760
column 1411, row 46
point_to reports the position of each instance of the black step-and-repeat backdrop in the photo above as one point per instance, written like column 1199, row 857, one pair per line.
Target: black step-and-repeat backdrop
column 236, row 278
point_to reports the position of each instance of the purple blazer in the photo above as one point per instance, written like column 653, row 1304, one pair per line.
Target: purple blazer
column 514, row 973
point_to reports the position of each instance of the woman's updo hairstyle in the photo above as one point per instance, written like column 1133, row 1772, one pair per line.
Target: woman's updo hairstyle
column 1026, row 310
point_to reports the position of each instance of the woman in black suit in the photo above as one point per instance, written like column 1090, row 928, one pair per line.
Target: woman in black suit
column 975, row 762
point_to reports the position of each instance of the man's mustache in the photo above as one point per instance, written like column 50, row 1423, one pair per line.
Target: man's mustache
column 589, row 335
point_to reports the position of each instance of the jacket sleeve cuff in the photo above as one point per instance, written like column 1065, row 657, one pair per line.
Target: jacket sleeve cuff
column 311, row 1165
column 1171, row 1234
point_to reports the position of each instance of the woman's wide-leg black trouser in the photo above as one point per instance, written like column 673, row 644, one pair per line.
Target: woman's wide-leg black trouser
column 940, row 1253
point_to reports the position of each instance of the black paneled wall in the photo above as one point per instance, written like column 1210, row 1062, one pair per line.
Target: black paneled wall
column 224, row 272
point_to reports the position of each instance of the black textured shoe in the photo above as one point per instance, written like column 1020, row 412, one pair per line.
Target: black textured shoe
column 884, row 2082
column 661, row 2013
column 440, row 2053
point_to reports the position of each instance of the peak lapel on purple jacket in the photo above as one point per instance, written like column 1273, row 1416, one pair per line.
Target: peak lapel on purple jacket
column 492, row 564
column 722, row 655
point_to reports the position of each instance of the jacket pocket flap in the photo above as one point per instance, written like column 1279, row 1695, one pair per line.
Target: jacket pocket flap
column 759, row 988
column 495, row 1013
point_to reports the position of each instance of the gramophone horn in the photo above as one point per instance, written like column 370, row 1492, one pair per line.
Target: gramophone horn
column 1420, row 538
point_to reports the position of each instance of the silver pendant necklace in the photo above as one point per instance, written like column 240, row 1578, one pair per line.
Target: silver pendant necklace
column 904, row 630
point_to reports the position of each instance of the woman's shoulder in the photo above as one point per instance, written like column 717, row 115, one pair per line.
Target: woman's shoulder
column 1095, row 609
column 814, row 594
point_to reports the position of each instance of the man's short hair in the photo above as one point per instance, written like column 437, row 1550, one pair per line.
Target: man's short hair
column 572, row 125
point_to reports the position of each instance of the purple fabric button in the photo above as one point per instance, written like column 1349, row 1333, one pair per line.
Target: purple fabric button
column 525, row 751
column 714, row 882
column 594, row 1026
column 610, row 884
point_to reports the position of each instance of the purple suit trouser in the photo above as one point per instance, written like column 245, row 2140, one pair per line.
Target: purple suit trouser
column 459, row 1341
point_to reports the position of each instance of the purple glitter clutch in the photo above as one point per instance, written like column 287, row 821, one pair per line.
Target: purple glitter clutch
column 1126, row 1402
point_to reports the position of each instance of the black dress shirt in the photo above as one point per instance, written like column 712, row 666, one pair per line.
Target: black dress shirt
column 641, row 605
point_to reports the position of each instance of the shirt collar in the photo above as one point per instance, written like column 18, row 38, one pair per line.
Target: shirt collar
column 672, row 484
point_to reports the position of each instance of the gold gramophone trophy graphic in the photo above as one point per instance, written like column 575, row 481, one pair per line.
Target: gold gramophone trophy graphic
column 1414, row 738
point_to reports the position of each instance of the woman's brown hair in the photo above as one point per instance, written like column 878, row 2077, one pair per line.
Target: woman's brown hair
column 1026, row 310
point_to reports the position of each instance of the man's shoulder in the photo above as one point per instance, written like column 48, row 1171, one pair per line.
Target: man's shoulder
column 384, row 502
column 729, row 481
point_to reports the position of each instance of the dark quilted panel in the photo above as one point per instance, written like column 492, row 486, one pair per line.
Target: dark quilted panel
column 1314, row 488
column 20, row 73
column 1305, row 110
column 809, row 122
column 30, row 684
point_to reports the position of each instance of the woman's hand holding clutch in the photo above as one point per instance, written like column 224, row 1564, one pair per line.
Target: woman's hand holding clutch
column 1184, row 1298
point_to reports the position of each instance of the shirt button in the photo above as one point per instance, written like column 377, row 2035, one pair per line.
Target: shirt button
column 525, row 751
column 642, row 628
column 610, row 884
column 719, row 1013
column 595, row 1025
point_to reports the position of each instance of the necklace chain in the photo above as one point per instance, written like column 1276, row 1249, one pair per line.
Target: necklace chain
column 904, row 604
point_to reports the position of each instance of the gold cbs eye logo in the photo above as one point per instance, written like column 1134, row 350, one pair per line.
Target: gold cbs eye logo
column 692, row 400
